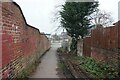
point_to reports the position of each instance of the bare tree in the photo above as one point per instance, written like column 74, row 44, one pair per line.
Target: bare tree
column 101, row 18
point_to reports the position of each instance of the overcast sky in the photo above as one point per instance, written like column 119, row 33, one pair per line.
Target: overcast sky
column 40, row 13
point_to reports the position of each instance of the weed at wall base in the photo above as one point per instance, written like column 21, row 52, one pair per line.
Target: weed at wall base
column 28, row 70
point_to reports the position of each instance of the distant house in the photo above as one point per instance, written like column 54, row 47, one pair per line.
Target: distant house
column 66, row 40
column 64, row 36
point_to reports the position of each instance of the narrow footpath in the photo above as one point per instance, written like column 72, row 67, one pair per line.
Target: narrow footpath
column 47, row 67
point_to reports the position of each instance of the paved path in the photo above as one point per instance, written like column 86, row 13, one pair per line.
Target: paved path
column 48, row 65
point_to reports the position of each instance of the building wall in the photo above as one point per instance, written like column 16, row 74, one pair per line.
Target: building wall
column 22, row 44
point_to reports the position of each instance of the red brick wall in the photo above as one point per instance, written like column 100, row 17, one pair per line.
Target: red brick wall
column 0, row 38
column 0, row 18
column 22, row 44
column 13, row 26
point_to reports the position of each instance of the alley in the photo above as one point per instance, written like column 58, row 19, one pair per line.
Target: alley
column 48, row 65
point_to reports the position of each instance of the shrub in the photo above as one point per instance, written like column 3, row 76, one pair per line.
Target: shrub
column 96, row 69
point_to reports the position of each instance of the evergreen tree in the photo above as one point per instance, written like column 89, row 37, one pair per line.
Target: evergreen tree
column 74, row 18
